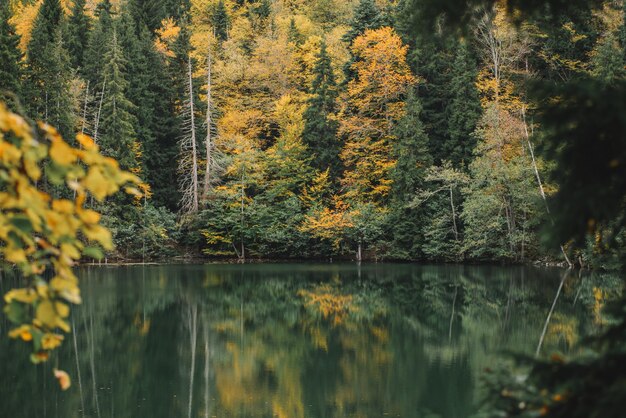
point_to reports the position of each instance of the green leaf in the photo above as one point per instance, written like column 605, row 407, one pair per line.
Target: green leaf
column 22, row 223
column 93, row 252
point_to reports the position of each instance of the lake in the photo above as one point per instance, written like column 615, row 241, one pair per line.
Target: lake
column 296, row 340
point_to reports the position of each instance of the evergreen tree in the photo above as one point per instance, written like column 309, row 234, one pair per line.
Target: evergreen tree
column 463, row 111
column 118, row 138
column 149, row 87
column 366, row 16
column 432, row 62
column 10, row 57
column 320, row 129
column 410, row 150
column 608, row 62
column 79, row 26
column 47, row 85
column 149, row 12
column 99, row 41
column 294, row 35
column 220, row 21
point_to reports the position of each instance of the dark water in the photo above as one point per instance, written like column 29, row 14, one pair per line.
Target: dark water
column 295, row 341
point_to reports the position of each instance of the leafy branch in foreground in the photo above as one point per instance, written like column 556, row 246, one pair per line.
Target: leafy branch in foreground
column 42, row 235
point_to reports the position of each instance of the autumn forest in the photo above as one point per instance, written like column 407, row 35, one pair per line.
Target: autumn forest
column 293, row 129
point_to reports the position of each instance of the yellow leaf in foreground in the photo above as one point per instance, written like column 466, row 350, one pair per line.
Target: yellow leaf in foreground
column 51, row 341
column 61, row 153
column 63, row 378
column 21, row 295
column 46, row 314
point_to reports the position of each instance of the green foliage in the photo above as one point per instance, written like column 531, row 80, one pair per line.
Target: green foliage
column 411, row 151
column 10, row 57
column 46, row 91
column 118, row 138
column 78, row 29
column 463, row 110
column 220, row 21
column 320, row 128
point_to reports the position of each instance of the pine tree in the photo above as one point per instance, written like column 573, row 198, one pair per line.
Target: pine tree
column 432, row 62
column 294, row 35
column 149, row 12
column 118, row 138
column 412, row 156
column 463, row 111
column 10, row 57
column 157, row 127
column 79, row 26
column 366, row 16
column 220, row 21
column 48, row 70
column 320, row 129
column 608, row 63
column 99, row 41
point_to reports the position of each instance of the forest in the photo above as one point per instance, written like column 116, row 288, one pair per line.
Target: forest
column 293, row 129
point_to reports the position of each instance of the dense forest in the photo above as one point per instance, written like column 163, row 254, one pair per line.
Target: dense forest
column 313, row 129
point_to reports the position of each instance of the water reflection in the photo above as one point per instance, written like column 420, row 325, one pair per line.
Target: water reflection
column 296, row 340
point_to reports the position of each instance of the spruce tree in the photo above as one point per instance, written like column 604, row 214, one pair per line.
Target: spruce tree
column 463, row 111
column 608, row 62
column 150, row 12
column 79, row 26
column 294, row 35
column 320, row 129
column 10, row 57
column 150, row 89
column 432, row 62
column 412, row 156
column 220, row 21
column 48, row 70
column 367, row 15
column 118, row 138
column 99, row 41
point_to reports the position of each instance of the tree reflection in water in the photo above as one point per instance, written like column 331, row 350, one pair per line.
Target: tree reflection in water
column 297, row 340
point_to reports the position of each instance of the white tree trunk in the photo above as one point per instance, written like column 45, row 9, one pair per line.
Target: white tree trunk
column 188, row 164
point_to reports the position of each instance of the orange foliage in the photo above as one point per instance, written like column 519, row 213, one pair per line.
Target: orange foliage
column 373, row 104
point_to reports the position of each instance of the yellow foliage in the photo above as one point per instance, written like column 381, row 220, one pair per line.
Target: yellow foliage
column 165, row 36
column 40, row 233
column 374, row 102
column 329, row 302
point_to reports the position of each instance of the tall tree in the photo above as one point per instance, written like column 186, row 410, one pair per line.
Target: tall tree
column 79, row 26
column 366, row 16
column 48, row 70
column 119, row 137
column 463, row 110
column 220, row 21
column 320, row 124
column 373, row 105
column 99, row 40
column 411, row 152
column 10, row 57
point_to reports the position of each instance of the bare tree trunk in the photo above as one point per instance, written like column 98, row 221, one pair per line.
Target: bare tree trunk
column 209, row 132
column 538, row 177
column 207, row 370
column 189, row 153
column 97, row 121
column 545, row 327
column 192, row 319
column 80, row 382
column 456, row 230
column 82, row 128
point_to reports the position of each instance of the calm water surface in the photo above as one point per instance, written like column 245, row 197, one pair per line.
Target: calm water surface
column 295, row 340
